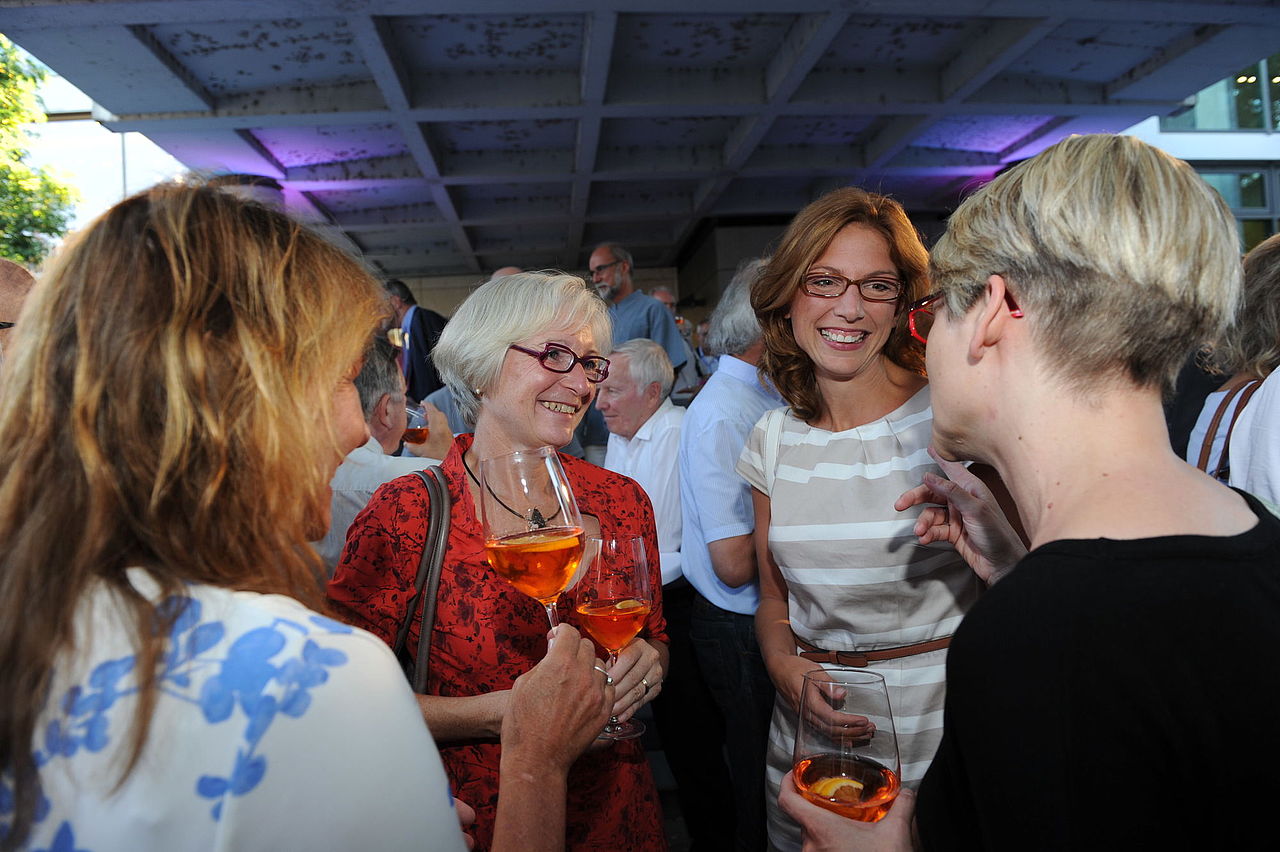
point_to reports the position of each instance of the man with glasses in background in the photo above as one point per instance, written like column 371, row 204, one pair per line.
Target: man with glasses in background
column 634, row 314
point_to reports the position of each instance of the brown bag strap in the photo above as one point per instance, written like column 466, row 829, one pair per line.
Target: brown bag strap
column 427, row 583
column 1224, row 465
column 1207, row 446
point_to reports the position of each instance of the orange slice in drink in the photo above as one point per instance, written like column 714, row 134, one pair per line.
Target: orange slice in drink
column 630, row 603
column 838, row 788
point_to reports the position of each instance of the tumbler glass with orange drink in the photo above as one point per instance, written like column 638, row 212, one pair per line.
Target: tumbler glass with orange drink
column 613, row 601
column 846, row 753
column 532, row 527
column 416, row 430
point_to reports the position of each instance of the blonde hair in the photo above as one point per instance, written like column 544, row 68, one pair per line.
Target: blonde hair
column 1125, row 259
column 810, row 233
column 474, row 343
column 166, row 407
column 1252, row 345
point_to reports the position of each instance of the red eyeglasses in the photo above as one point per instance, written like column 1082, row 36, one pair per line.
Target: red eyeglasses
column 562, row 359
column 920, row 314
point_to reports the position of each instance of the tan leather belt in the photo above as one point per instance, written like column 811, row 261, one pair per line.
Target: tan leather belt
column 859, row 659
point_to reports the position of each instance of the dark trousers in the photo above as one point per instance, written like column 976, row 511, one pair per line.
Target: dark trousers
column 727, row 651
column 692, row 732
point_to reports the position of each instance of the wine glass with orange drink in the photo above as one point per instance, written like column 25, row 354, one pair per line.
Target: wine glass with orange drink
column 416, row 430
column 532, row 527
column 846, row 753
column 613, row 601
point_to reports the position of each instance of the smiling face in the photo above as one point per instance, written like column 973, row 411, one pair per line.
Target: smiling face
column 845, row 335
column 529, row 406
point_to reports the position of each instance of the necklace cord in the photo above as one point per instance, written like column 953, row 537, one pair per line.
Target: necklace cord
column 534, row 517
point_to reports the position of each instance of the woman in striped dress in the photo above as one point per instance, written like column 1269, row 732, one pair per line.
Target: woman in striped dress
column 840, row 570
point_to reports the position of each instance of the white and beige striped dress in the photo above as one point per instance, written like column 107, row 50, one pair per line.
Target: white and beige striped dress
column 856, row 577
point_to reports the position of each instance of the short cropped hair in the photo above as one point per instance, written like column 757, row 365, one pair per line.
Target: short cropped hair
column 806, row 238
column 400, row 290
column 648, row 362
column 1125, row 259
column 619, row 253
column 1252, row 345
column 734, row 327
column 474, row 344
column 380, row 376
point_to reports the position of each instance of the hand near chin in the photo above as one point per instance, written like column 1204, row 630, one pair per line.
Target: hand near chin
column 961, row 510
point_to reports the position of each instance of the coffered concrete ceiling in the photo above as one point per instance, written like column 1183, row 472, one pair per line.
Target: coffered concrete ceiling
column 456, row 137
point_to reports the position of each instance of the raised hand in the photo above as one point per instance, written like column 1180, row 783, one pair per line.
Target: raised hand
column 557, row 708
column 960, row 509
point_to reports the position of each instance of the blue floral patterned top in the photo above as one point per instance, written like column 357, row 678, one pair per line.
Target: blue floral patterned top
column 275, row 728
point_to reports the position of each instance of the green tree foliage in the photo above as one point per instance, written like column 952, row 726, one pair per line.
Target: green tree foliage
column 34, row 207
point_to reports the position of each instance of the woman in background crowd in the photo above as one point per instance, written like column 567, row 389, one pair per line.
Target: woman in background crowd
column 521, row 356
column 842, row 579
column 1248, row 353
column 176, row 399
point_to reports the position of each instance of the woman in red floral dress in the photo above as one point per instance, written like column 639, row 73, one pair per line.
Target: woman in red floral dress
column 486, row 633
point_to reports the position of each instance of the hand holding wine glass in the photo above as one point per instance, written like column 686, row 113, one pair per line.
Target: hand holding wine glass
column 613, row 601
column 846, row 752
column 532, row 527
column 416, row 430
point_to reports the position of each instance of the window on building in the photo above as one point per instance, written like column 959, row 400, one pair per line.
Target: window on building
column 1247, row 100
column 1252, row 191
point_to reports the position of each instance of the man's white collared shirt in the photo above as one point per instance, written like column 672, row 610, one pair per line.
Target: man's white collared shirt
column 359, row 475
column 650, row 458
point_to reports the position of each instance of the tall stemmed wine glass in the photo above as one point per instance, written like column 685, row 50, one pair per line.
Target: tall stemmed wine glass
column 613, row 601
column 532, row 527
column 846, row 754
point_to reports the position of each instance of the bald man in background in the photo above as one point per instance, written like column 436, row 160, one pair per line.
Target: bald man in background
column 15, row 283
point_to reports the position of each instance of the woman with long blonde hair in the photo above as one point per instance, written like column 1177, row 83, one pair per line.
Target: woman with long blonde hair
column 175, row 401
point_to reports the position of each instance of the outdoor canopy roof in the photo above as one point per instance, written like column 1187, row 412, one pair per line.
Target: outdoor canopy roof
column 457, row 137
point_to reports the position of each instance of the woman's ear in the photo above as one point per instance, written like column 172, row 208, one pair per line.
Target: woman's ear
column 991, row 319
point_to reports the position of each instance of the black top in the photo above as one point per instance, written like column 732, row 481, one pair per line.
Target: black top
column 1116, row 695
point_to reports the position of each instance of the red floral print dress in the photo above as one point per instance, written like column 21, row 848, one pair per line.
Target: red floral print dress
column 487, row 634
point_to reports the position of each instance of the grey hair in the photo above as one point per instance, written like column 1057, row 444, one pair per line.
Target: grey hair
column 473, row 345
column 619, row 253
column 379, row 376
column 400, row 290
column 734, row 326
column 647, row 362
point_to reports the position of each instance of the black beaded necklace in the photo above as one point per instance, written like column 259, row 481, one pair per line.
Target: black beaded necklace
column 535, row 516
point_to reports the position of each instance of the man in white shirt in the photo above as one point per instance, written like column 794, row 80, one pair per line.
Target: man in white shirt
column 382, row 397
column 718, row 553
column 644, row 438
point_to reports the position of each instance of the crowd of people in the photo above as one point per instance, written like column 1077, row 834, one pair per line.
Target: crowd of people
column 951, row 467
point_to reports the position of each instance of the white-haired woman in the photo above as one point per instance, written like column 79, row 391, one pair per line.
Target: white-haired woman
column 522, row 356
